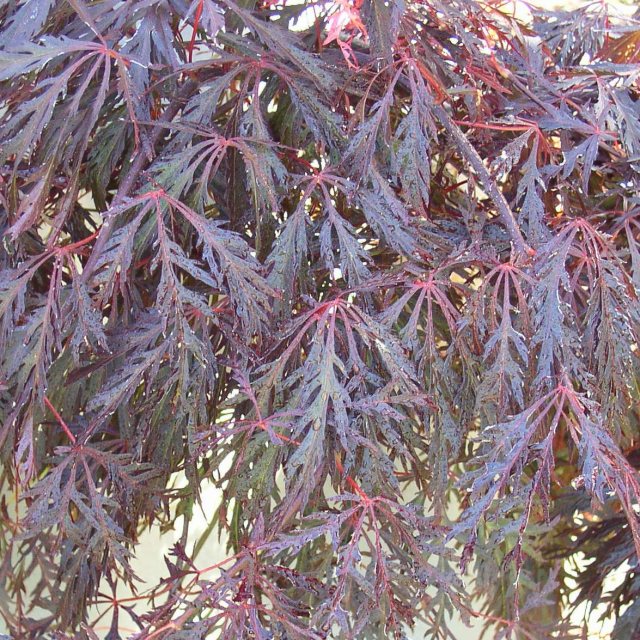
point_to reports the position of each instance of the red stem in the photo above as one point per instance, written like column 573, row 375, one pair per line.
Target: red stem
column 196, row 24
column 60, row 420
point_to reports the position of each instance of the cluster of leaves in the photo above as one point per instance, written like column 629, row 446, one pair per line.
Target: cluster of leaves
column 369, row 267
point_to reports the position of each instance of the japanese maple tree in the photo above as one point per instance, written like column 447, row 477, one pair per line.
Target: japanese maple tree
column 371, row 268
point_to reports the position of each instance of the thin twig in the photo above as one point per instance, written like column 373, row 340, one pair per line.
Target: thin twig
column 60, row 420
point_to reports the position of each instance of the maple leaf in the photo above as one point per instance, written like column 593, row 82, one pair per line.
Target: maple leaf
column 366, row 272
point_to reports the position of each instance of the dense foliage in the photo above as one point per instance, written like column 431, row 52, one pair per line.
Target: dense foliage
column 370, row 267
